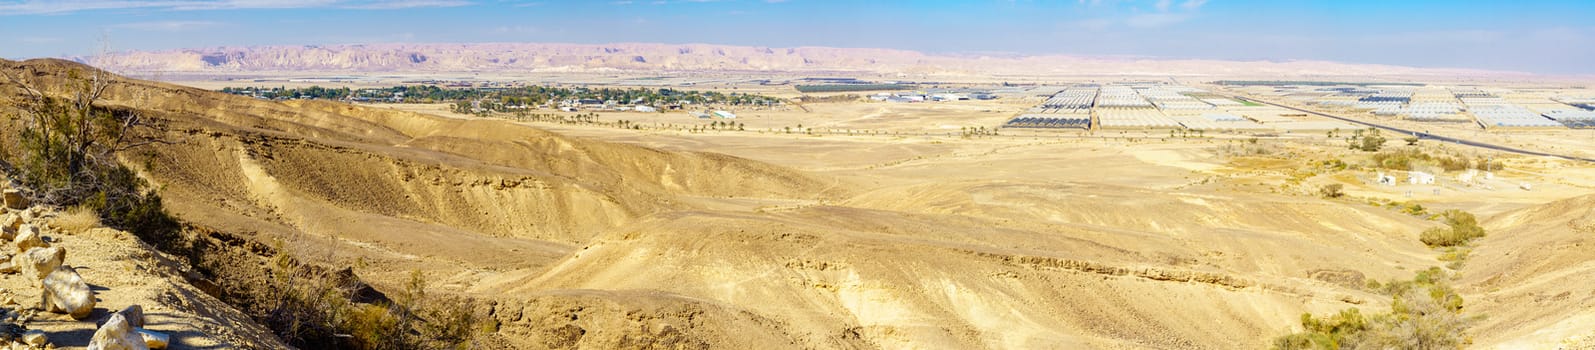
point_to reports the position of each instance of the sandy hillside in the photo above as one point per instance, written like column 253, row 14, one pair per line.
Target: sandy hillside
column 623, row 239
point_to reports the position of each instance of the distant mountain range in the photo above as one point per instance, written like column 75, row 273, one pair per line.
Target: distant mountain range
column 549, row 57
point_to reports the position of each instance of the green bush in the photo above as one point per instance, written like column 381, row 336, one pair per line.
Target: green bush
column 1461, row 227
column 1367, row 140
column 66, row 153
column 1413, row 208
column 1425, row 313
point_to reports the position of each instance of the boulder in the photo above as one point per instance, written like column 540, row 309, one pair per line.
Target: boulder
column 14, row 199
column 134, row 315
column 9, row 224
column 28, row 237
column 35, row 337
column 39, row 262
column 153, row 339
column 116, row 334
column 64, row 291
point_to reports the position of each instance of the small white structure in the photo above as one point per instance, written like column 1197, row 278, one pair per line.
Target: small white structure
column 647, row 109
column 725, row 115
column 1387, row 180
column 1420, row 178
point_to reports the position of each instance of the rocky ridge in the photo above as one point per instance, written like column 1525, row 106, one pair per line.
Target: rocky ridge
column 52, row 299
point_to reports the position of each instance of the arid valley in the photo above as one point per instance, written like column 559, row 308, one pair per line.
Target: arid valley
column 705, row 196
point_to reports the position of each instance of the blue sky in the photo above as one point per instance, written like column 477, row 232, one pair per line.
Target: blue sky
column 1550, row 37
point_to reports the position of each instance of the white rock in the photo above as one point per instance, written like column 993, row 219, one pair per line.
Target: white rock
column 65, row 291
column 14, row 199
column 28, row 237
column 134, row 315
column 153, row 339
column 116, row 334
column 35, row 337
column 39, row 262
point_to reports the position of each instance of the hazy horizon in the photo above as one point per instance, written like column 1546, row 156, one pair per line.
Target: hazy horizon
column 1543, row 37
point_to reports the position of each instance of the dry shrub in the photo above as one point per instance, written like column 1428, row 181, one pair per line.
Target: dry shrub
column 78, row 219
column 312, row 306
column 1332, row 190
column 1426, row 313
column 1461, row 227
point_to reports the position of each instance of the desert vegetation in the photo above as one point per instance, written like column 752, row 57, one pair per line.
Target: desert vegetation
column 1425, row 313
column 1461, row 228
column 312, row 305
column 67, row 153
column 1408, row 158
column 70, row 155
column 1366, row 140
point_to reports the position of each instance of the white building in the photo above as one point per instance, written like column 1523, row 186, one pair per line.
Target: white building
column 725, row 115
column 1420, row 178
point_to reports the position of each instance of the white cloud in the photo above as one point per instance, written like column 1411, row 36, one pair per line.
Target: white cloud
column 36, row 7
column 393, row 5
column 1163, row 5
column 517, row 29
column 167, row 26
column 1165, row 15
column 1093, row 24
column 1156, row 20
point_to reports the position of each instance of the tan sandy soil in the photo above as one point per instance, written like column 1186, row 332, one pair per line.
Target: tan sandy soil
column 598, row 237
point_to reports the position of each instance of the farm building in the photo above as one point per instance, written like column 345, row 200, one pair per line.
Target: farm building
column 1511, row 117
column 1137, row 118
column 725, row 115
column 1050, row 121
column 1420, row 178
